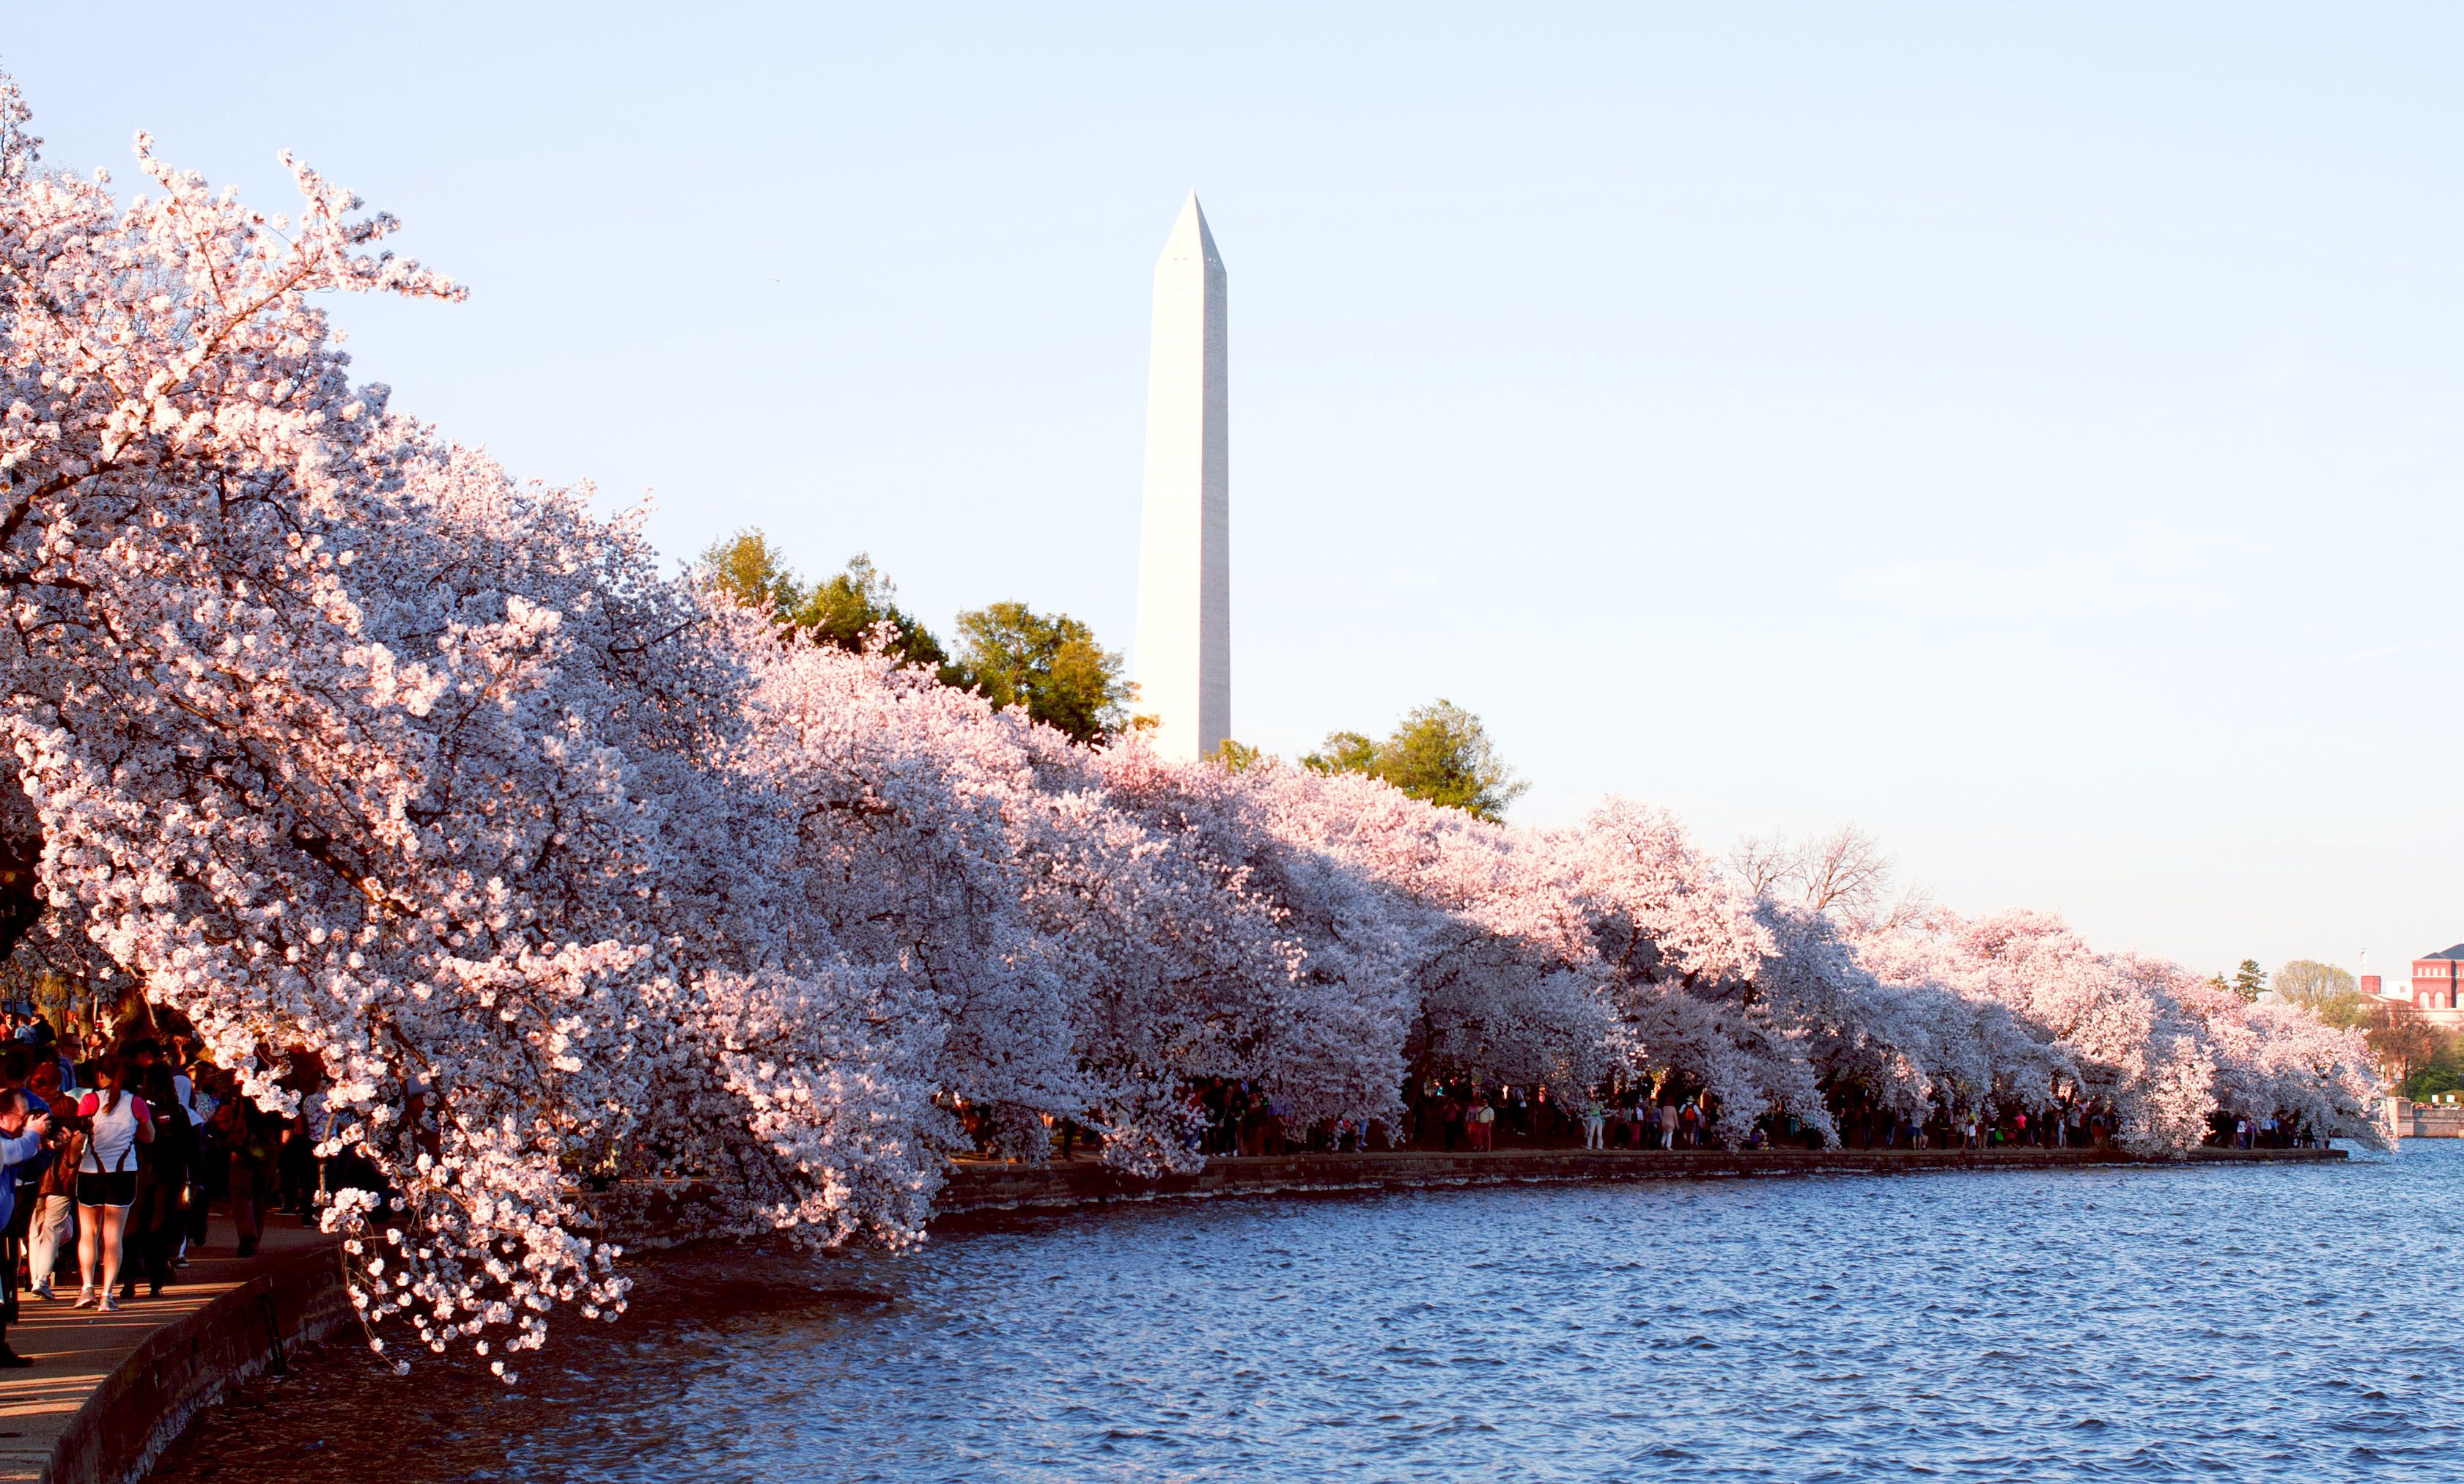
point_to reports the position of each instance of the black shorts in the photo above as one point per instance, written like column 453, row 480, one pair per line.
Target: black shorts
column 120, row 1189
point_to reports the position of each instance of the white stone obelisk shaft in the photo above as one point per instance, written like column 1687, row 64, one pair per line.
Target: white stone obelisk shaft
column 1184, row 639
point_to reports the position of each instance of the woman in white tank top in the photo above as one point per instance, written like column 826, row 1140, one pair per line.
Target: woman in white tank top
column 111, row 1142
column 117, row 1120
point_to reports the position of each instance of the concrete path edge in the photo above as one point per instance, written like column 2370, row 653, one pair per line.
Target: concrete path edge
column 191, row 1362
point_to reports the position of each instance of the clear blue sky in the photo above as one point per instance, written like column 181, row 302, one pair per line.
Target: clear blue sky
column 2030, row 432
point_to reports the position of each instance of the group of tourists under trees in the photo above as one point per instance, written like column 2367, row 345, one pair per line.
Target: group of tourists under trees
column 329, row 734
column 116, row 1143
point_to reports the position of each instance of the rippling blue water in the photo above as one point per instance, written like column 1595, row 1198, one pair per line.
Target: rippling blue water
column 2296, row 1322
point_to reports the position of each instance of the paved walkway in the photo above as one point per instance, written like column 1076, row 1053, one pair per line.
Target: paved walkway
column 74, row 1349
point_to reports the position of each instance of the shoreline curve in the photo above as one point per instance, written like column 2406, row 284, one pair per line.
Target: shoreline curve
column 980, row 1185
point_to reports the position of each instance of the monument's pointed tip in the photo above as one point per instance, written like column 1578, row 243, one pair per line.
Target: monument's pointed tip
column 1192, row 224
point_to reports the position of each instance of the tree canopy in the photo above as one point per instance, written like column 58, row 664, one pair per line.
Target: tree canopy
column 1049, row 663
column 2400, row 1038
column 748, row 568
column 1438, row 753
column 844, row 610
column 2330, row 993
column 848, row 610
column 2437, row 1067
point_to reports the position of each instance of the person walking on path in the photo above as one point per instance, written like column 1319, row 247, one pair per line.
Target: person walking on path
column 249, row 1136
column 1668, row 1126
column 155, row 1220
column 116, row 1123
column 1595, row 1119
column 210, row 1164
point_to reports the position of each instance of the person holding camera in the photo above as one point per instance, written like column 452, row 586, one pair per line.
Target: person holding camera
column 21, row 1141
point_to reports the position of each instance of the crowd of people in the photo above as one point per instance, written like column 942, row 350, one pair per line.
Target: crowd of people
column 112, row 1151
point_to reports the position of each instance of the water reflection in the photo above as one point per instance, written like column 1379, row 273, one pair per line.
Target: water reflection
column 2292, row 1324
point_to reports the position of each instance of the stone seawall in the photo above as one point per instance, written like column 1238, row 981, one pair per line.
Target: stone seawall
column 2429, row 1120
column 187, row 1365
column 978, row 1185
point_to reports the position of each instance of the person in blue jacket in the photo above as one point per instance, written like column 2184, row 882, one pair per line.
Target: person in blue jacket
column 21, row 1143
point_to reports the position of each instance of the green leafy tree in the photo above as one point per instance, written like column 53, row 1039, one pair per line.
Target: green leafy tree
column 1344, row 751
column 2249, row 980
column 748, row 567
column 851, row 608
column 1439, row 753
column 1013, row 655
column 2442, row 1070
column 1052, row 665
column 843, row 611
column 1239, row 757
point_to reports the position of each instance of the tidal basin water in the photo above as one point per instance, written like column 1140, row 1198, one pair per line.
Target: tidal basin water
column 2296, row 1323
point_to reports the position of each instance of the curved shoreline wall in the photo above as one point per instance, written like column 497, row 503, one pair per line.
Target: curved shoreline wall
column 144, row 1405
column 979, row 1185
column 185, row 1366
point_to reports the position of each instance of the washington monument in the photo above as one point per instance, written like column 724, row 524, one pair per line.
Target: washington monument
column 1184, row 642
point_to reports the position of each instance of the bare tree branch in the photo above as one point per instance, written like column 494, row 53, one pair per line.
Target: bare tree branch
column 1764, row 862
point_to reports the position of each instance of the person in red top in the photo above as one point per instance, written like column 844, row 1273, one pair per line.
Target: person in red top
column 115, row 1120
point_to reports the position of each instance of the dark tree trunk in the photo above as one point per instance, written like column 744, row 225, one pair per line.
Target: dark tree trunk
column 21, row 851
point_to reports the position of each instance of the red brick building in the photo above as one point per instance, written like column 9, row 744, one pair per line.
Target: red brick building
column 2437, row 981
